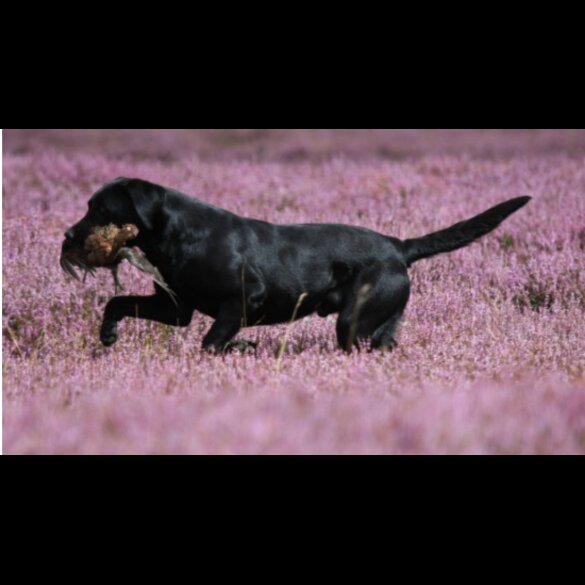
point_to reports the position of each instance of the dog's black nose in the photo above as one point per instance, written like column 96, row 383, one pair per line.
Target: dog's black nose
column 69, row 235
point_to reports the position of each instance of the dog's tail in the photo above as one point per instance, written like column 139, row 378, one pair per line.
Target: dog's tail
column 462, row 233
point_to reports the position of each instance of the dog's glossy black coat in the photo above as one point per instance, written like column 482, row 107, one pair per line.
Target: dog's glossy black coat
column 244, row 272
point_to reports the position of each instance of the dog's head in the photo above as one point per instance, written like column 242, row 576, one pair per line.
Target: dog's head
column 123, row 201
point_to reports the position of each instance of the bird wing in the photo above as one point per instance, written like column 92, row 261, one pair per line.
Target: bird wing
column 138, row 260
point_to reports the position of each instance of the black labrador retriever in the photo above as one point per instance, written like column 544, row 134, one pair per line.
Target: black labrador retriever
column 245, row 272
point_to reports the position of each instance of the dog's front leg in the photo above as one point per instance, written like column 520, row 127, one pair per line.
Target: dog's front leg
column 158, row 307
column 227, row 324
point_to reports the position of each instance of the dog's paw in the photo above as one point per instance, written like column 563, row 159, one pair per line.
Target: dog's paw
column 109, row 333
column 240, row 345
column 387, row 347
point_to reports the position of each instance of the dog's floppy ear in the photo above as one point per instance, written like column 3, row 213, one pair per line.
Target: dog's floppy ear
column 146, row 199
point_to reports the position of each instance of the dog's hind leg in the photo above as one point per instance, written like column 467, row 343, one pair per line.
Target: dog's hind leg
column 373, row 308
column 383, row 337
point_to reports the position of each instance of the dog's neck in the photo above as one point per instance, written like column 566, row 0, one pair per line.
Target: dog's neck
column 151, row 249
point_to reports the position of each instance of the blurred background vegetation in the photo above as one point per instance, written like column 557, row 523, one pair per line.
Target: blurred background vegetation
column 300, row 144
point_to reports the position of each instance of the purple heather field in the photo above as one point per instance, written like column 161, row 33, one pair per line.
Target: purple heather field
column 491, row 355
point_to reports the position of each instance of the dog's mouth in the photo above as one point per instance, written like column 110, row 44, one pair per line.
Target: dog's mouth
column 72, row 259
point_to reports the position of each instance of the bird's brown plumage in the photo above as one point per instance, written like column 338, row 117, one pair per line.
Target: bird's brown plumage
column 103, row 245
column 106, row 247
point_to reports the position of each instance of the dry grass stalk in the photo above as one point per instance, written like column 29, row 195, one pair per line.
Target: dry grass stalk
column 286, row 333
column 14, row 340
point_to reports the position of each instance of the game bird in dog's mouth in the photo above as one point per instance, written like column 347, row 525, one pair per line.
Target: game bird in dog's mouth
column 106, row 247
column 242, row 271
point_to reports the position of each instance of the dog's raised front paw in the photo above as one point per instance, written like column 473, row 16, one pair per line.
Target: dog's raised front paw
column 109, row 333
